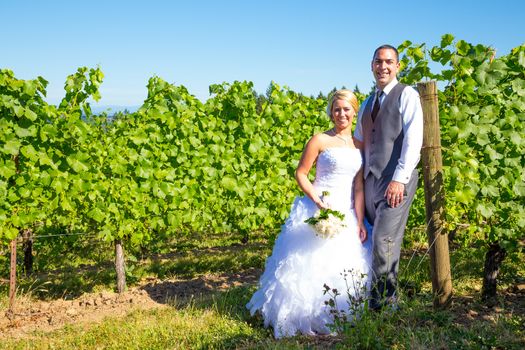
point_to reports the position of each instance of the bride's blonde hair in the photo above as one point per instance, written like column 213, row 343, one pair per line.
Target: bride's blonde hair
column 343, row 94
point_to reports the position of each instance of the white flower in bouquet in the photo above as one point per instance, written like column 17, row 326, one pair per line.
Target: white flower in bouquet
column 327, row 222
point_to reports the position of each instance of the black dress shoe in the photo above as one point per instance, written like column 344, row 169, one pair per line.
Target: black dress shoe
column 389, row 303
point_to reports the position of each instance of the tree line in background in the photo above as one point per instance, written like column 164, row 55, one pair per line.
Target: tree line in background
column 178, row 165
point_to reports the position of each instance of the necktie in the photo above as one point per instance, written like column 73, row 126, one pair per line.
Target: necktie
column 375, row 108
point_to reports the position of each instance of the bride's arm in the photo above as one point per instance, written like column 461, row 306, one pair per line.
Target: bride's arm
column 359, row 197
column 359, row 204
column 309, row 157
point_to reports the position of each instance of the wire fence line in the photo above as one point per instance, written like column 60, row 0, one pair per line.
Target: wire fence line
column 66, row 234
column 5, row 250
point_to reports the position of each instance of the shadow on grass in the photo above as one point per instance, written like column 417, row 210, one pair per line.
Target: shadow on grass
column 64, row 267
column 466, row 264
column 71, row 268
column 209, row 260
column 202, row 289
column 66, row 283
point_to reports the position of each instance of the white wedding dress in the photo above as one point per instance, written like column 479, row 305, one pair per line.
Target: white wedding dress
column 291, row 294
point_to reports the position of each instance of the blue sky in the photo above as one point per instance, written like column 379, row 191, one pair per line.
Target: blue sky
column 309, row 46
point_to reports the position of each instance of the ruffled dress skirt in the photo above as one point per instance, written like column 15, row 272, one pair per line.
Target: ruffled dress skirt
column 291, row 296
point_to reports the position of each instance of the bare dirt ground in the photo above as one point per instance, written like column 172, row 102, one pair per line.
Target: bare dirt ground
column 45, row 316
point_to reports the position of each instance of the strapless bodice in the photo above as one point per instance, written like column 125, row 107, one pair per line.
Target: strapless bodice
column 335, row 171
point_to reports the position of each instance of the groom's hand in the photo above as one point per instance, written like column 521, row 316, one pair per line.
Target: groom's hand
column 394, row 193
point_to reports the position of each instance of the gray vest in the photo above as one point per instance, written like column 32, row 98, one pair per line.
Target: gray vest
column 383, row 138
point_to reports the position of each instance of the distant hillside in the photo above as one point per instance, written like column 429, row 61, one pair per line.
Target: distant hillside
column 112, row 109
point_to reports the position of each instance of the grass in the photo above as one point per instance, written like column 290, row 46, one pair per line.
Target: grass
column 418, row 326
column 165, row 328
column 220, row 320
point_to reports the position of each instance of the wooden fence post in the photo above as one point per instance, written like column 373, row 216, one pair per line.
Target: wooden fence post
column 12, row 279
column 435, row 196
column 120, row 266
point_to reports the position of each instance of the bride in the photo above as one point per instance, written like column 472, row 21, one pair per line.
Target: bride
column 291, row 295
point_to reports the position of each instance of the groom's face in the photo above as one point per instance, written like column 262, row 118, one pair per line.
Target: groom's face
column 385, row 67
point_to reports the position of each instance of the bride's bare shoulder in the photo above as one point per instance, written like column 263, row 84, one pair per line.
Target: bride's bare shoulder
column 321, row 137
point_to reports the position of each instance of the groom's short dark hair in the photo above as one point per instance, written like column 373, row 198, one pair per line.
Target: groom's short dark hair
column 386, row 46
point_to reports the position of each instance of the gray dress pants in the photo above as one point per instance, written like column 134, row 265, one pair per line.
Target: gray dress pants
column 387, row 235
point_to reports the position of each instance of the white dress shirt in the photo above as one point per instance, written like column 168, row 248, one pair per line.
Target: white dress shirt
column 412, row 114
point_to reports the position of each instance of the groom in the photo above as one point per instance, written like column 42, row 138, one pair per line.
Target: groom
column 390, row 131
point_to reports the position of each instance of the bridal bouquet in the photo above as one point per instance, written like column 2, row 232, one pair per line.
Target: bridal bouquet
column 327, row 222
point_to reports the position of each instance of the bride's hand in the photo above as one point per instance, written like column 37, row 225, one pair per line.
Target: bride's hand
column 322, row 205
column 363, row 234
